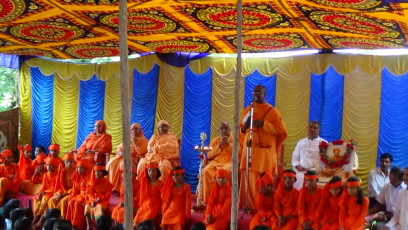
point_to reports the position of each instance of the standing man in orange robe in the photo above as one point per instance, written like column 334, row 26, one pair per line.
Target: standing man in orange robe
column 176, row 198
column 308, row 203
column 162, row 148
column 77, row 198
column 219, row 157
column 9, row 175
column 138, row 149
column 98, row 193
column 269, row 132
column 97, row 142
column 218, row 212
column 265, row 214
column 285, row 202
column 25, row 162
column 353, row 206
column 33, row 186
column 46, row 192
column 64, row 184
column 118, row 212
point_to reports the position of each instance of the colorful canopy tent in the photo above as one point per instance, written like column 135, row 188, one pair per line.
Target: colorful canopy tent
column 89, row 28
column 360, row 97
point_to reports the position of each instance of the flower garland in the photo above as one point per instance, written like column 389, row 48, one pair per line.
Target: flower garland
column 344, row 159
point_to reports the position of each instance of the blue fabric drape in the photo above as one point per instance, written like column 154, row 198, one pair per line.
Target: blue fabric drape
column 144, row 99
column 393, row 137
column 91, row 107
column 42, row 93
column 326, row 103
column 258, row 79
column 196, row 119
column 9, row 61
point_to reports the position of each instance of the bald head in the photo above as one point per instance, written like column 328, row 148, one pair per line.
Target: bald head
column 224, row 129
column 260, row 93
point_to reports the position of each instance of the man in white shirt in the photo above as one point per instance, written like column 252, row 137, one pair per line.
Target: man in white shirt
column 387, row 197
column 378, row 177
column 306, row 154
column 400, row 219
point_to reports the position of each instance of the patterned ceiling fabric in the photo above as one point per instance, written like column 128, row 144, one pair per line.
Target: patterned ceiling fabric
column 82, row 29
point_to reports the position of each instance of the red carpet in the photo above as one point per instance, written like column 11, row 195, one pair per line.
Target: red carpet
column 243, row 223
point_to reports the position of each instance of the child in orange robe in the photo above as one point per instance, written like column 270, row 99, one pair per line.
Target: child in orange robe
column 265, row 214
column 25, row 162
column 76, row 200
column 285, row 202
column 150, row 194
column 54, row 152
column 39, row 151
column 118, row 212
column 176, row 198
column 218, row 211
column 9, row 175
column 64, row 184
column 353, row 206
column 98, row 193
column 46, row 192
column 33, row 186
column 329, row 209
column 309, row 198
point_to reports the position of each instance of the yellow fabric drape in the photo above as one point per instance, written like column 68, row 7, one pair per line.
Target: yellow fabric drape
column 112, row 114
column 223, row 99
column 170, row 98
column 65, row 114
column 292, row 101
column 361, row 115
column 25, row 105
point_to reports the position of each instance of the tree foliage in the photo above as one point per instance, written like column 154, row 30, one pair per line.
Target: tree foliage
column 8, row 88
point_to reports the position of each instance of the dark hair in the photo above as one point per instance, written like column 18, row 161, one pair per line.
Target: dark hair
column 28, row 212
column 146, row 225
column 360, row 194
column 198, row 226
column 158, row 173
column 49, row 223
column 397, row 171
column 2, row 222
column 176, row 168
column 386, row 155
column 117, row 227
column 261, row 227
column 289, row 170
column 335, row 179
column 311, row 172
column 10, row 205
column 52, row 213
column 23, row 223
column 62, row 225
column 15, row 214
column 104, row 171
column 42, row 148
column 316, row 122
column 103, row 222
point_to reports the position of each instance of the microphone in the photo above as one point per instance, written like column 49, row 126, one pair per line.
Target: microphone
column 254, row 99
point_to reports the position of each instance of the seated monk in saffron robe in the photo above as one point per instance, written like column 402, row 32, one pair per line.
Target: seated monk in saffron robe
column 97, row 142
column 269, row 133
column 98, row 193
column 118, row 212
column 353, row 206
column 150, row 194
column 9, row 175
column 25, row 162
column 308, row 203
column 219, row 157
column 46, row 192
column 162, row 148
column 64, row 184
column 285, row 202
column 77, row 198
column 329, row 207
column 265, row 214
column 176, row 198
column 138, row 149
column 33, row 186
column 218, row 211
